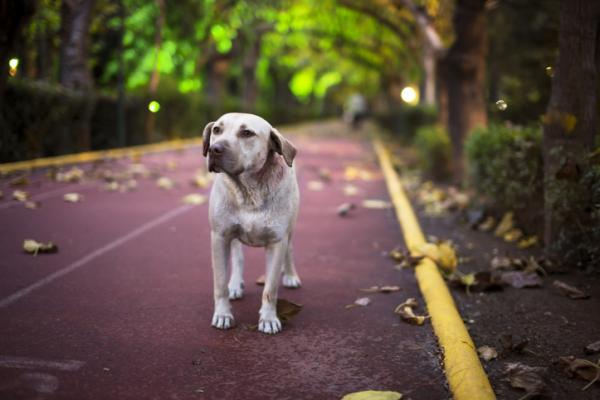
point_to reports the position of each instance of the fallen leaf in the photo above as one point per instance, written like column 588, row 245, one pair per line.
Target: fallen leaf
column 72, row 197
column 592, row 348
column 71, row 176
column 194, row 199
column 360, row 302
column 405, row 310
column 480, row 281
column 521, row 279
column 514, row 345
column 350, row 190
column 403, row 258
column 569, row 291
column 505, row 225
column 324, row 174
column 165, row 183
column 286, row 310
column 20, row 195
column 501, row 263
column 513, row 235
column 373, row 395
column 129, row 185
column 352, row 173
column 345, row 208
column 171, row 165
column 21, row 180
column 525, row 377
column 487, row 353
column 376, row 204
column 32, row 205
column 487, row 225
column 260, row 281
column 315, row 186
column 381, row 289
column 447, row 260
column 34, row 247
column 111, row 186
column 137, row 169
column 582, row 368
column 201, row 179
column 527, row 242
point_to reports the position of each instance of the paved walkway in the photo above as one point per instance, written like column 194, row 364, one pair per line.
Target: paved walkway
column 123, row 310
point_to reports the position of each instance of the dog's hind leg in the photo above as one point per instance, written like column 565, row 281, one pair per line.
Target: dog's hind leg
column 290, row 276
column 236, row 281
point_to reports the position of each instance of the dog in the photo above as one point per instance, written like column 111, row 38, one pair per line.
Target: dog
column 254, row 201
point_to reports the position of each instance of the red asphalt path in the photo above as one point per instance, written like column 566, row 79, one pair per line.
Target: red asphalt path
column 130, row 318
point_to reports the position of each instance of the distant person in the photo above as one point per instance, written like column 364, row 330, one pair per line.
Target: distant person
column 355, row 110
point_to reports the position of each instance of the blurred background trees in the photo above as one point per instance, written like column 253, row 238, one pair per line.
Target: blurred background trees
column 482, row 75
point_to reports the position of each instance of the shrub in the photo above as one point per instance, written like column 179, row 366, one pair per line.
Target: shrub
column 505, row 164
column 433, row 151
column 406, row 121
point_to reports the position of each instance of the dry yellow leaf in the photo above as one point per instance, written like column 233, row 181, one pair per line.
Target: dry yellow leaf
column 20, row 195
column 165, row 183
column 72, row 197
column 194, row 199
column 373, row 395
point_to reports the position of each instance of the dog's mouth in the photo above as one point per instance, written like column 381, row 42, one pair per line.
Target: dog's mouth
column 218, row 165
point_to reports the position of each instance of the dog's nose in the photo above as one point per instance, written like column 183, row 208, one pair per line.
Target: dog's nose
column 217, row 149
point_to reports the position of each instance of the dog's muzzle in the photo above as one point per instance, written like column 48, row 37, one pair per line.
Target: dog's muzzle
column 215, row 159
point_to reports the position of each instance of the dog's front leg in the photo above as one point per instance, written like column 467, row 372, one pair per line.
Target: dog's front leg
column 268, row 322
column 221, row 248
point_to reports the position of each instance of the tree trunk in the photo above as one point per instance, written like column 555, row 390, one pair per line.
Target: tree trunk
column 466, row 77
column 570, row 123
column 74, row 73
column 155, row 76
column 250, row 83
column 429, row 76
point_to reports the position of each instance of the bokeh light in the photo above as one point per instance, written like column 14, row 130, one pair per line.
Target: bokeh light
column 410, row 95
column 501, row 104
column 154, row 106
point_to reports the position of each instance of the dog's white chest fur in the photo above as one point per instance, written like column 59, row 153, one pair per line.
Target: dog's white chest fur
column 256, row 229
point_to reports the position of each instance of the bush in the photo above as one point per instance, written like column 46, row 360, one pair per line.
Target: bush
column 505, row 164
column 433, row 151
column 405, row 121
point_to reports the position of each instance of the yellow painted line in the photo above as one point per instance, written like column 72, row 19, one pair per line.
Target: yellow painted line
column 91, row 156
column 466, row 377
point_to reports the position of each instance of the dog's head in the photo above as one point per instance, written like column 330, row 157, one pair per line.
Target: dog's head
column 237, row 143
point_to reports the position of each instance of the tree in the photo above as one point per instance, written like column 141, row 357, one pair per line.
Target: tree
column 74, row 73
column 570, row 126
column 465, row 77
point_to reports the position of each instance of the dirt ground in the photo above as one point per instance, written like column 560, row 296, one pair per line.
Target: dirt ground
column 552, row 324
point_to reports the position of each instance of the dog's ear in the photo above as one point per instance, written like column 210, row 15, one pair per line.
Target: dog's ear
column 282, row 146
column 206, row 137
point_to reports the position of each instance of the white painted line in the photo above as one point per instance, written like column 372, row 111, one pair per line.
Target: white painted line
column 32, row 363
column 97, row 253
column 45, row 195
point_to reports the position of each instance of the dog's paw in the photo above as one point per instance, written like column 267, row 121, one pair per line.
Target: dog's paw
column 291, row 281
column 269, row 326
column 223, row 321
column 236, row 290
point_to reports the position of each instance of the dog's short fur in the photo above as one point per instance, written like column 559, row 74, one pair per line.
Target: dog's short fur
column 254, row 201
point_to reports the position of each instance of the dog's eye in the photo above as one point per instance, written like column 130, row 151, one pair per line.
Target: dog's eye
column 246, row 133
column 216, row 130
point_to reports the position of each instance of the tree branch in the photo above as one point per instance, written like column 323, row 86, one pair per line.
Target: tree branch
column 424, row 23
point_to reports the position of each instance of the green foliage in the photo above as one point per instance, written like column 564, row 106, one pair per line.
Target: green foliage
column 405, row 121
column 574, row 199
column 433, row 151
column 505, row 165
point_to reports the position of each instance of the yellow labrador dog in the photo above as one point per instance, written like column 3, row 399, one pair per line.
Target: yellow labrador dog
column 254, row 201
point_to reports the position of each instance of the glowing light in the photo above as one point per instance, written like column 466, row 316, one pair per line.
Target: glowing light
column 13, row 63
column 154, row 106
column 501, row 104
column 410, row 95
column 550, row 71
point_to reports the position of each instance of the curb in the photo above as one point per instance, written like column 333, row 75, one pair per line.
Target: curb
column 91, row 156
column 465, row 375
